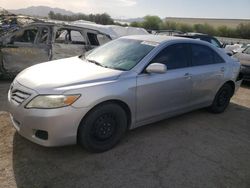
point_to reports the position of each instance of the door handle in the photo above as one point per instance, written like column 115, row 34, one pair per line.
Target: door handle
column 188, row 76
column 222, row 69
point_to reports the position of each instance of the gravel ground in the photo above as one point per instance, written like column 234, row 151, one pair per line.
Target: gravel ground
column 4, row 87
column 197, row 149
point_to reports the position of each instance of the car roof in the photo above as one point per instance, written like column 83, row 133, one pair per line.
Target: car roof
column 164, row 39
column 194, row 34
column 52, row 24
column 156, row 38
column 40, row 24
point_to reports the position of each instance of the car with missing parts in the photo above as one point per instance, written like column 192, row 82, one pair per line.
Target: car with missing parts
column 244, row 58
column 129, row 82
column 44, row 41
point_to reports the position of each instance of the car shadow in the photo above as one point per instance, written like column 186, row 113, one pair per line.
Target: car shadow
column 246, row 84
column 4, row 87
column 169, row 152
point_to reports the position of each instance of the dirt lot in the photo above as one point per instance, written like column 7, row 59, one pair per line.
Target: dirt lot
column 197, row 149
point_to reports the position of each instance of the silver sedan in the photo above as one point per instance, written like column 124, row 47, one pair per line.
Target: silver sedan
column 129, row 82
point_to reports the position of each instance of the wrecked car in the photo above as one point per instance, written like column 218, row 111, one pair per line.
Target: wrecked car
column 244, row 58
column 40, row 42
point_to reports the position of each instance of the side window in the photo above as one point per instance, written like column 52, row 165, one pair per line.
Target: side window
column 43, row 36
column 26, row 36
column 68, row 36
column 174, row 56
column 215, row 43
column 246, row 51
column 93, row 39
column 201, row 55
column 62, row 36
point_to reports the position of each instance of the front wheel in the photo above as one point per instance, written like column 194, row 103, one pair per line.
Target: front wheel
column 103, row 128
column 222, row 99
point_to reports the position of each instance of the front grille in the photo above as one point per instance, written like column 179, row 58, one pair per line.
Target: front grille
column 18, row 96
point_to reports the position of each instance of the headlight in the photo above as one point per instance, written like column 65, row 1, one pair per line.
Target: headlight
column 52, row 101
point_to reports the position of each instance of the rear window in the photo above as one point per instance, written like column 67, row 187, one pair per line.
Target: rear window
column 68, row 36
column 247, row 50
column 203, row 55
column 93, row 39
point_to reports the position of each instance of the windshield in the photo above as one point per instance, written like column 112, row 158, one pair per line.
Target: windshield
column 120, row 54
column 247, row 50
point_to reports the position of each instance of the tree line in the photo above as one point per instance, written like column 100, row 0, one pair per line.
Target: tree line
column 103, row 19
column 156, row 23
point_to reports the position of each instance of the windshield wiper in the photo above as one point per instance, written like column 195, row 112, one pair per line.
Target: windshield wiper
column 109, row 67
column 95, row 62
column 82, row 56
column 117, row 68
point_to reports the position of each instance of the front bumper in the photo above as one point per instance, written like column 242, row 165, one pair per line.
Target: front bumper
column 60, row 124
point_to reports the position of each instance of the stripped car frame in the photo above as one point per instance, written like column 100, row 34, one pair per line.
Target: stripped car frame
column 40, row 42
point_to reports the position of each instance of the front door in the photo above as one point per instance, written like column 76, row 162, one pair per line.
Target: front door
column 163, row 94
column 27, row 47
column 68, row 42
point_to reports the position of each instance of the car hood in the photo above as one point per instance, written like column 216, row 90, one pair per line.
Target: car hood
column 67, row 72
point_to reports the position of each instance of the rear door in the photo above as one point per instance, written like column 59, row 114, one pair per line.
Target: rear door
column 68, row 42
column 162, row 94
column 207, row 73
column 27, row 47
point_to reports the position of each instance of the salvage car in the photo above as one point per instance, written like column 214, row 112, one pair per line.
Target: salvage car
column 40, row 42
column 204, row 37
column 126, row 83
column 244, row 58
column 241, row 48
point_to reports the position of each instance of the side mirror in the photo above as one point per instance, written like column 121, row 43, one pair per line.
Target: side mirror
column 231, row 53
column 156, row 68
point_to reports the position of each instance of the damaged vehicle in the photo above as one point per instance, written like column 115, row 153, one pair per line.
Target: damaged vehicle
column 244, row 58
column 204, row 37
column 40, row 42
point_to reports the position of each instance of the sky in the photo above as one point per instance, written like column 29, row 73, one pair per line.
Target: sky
column 234, row 9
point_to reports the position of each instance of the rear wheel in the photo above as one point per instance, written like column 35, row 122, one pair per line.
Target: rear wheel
column 222, row 99
column 103, row 128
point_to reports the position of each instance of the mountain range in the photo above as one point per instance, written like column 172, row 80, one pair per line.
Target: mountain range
column 41, row 11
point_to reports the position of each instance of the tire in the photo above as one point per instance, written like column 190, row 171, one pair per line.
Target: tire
column 222, row 99
column 103, row 128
